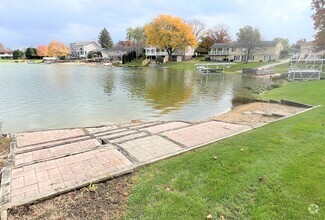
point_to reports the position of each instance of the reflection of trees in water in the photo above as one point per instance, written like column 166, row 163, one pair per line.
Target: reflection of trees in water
column 253, row 83
column 169, row 90
column 135, row 82
column 216, row 87
column 211, row 83
column 109, row 84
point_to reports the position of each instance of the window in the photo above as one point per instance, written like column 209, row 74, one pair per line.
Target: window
column 233, row 49
column 236, row 57
column 267, row 57
column 252, row 58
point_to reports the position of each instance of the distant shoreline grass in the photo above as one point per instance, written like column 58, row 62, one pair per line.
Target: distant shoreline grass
column 235, row 67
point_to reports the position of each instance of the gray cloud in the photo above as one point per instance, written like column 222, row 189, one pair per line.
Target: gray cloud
column 34, row 22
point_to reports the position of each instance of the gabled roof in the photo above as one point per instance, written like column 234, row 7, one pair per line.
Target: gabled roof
column 84, row 43
column 236, row 44
column 114, row 51
column 6, row 50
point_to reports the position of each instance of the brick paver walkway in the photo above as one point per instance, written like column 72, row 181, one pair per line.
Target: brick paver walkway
column 46, row 163
column 204, row 133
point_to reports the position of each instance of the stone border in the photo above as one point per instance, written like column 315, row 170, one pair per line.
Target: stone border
column 286, row 102
column 6, row 176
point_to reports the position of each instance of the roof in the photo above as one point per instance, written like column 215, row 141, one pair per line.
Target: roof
column 236, row 44
column 84, row 43
column 6, row 50
column 114, row 51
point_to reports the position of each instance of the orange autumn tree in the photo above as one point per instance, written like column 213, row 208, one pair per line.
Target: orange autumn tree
column 42, row 51
column 170, row 33
column 57, row 49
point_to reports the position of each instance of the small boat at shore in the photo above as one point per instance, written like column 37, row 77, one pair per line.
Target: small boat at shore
column 49, row 60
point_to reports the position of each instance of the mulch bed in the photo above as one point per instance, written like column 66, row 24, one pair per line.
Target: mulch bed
column 107, row 201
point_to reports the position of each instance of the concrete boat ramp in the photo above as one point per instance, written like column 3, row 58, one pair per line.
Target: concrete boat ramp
column 43, row 164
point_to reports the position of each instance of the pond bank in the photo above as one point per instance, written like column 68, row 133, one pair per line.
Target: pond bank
column 126, row 147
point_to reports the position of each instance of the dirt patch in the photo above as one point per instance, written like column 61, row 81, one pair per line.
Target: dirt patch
column 258, row 113
column 106, row 202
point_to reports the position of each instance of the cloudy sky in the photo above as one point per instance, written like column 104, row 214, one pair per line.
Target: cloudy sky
column 25, row 23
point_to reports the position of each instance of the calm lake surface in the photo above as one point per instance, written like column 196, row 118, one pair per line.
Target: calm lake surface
column 40, row 96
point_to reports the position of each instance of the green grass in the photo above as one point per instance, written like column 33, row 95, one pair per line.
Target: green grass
column 185, row 65
column 278, row 175
column 6, row 61
column 190, row 65
column 239, row 66
column 282, row 68
column 20, row 60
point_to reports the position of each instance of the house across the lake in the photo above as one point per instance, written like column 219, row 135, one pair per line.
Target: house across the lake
column 235, row 51
column 81, row 49
column 6, row 54
column 114, row 53
column 179, row 55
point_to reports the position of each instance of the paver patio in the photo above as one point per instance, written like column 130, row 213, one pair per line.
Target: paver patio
column 204, row 133
column 46, row 163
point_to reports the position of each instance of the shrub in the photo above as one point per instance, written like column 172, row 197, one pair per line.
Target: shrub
column 275, row 85
column 116, row 63
column 243, row 96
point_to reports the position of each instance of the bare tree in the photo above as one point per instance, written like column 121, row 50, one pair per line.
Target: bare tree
column 319, row 23
column 249, row 37
column 219, row 33
column 198, row 28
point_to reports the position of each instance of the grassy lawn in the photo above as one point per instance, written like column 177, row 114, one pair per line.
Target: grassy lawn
column 190, row 65
column 239, row 66
column 278, row 175
column 20, row 61
column 282, row 68
column 6, row 61
column 185, row 65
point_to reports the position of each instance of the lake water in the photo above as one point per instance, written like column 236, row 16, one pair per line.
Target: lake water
column 40, row 96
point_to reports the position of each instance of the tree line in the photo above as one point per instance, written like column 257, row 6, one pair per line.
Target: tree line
column 54, row 49
column 174, row 33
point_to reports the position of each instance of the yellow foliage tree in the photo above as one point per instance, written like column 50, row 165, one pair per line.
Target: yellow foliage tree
column 57, row 49
column 42, row 51
column 170, row 33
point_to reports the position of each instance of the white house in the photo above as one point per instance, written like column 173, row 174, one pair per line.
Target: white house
column 82, row 48
column 178, row 55
column 114, row 53
column 6, row 53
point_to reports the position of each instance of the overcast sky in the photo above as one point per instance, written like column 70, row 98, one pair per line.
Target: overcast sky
column 25, row 23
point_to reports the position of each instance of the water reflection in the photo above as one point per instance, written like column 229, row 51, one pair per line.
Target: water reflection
column 109, row 84
column 37, row 97
column 167, row 90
